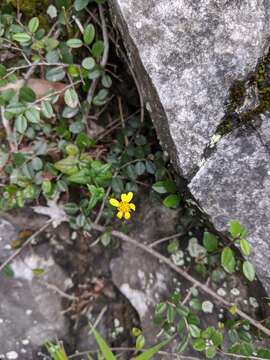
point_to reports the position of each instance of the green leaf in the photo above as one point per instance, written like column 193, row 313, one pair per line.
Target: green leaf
column 33, row 24
column 245, row 247
column 106, row 81
column 182, row 310
column 140, row 168
column 98, row 48
column 97, row 193
column 163, row 187
column 21, row 37
column 199, row 344
column 101, row 97
column 196, row 304
column 170, row 314
column 27, row 94
column 46, row 186
column 106, row 238
column 37, row 164
column 228, row 260
column 264, row 353
column 181, row 347
column 51, row 44
column 71, row 208
column 68, row 165
column 217, row 338
column 210, row 352
column 104, row 348
column 74, row 43
column 160, row 308
column 171, row 201
column 33, row 116
column 117, row 185
column 140, row 342
column 38, row 271
column 55, row 74
column 3, row 70
column 249, row 270
column 148, row 354
column 80, row 4
column 46, row 109
column 71, row 98
column 84, row 141
column 89, row 63
column 89, row 34
column 194, row 331
column 72, row 149
column 243, row 348
column 76, row 126
column 159, row 187
column 210, row 242
column 236, row 229
column 8, row 271
column 21, row 124
column 82, row 177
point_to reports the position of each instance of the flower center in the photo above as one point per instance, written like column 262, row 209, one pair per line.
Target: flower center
column 124, row 207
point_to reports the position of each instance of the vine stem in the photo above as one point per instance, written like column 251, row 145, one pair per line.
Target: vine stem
column 206, row 289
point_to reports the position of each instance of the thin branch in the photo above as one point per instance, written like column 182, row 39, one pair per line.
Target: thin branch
column 55, row 93
column 34, row 64
column 105, row 55
column 98, row 319
column 185, row 275
column 250, row 357
column 157, row 242
column 9, row 134
column 122, row 118
column 58, row 291
column 25, row 244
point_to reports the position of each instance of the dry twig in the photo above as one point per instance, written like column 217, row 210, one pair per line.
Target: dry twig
column 25, row 244
column 205, row 288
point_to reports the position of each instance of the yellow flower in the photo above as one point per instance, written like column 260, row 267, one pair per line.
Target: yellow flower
column 124, row 206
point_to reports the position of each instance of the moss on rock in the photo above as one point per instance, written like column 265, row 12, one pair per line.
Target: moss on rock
column 30, row 7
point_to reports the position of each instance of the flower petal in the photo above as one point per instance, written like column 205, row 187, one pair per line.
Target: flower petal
column 120, row 214
column 114, row 202
column 127, row 215
column 127, row 197
column 132, row 206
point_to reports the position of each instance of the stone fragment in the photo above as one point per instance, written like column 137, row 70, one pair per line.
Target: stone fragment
column 234, row 183
column 30, row 314
column 187, row 55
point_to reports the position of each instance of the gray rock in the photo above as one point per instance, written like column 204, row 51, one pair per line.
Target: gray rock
column 187, row 55
column 234, row 183
column 145, row 281
column 30, row 314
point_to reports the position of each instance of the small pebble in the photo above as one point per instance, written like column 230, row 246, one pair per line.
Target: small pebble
column 235, row 292
column 11, row 355
column 253, row 302
column 221, row 292
column 207, row 307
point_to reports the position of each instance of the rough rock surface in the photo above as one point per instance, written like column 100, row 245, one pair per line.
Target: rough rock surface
column 145, row 281
column 30, row 314
column 187, row 55
column 235, row 184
